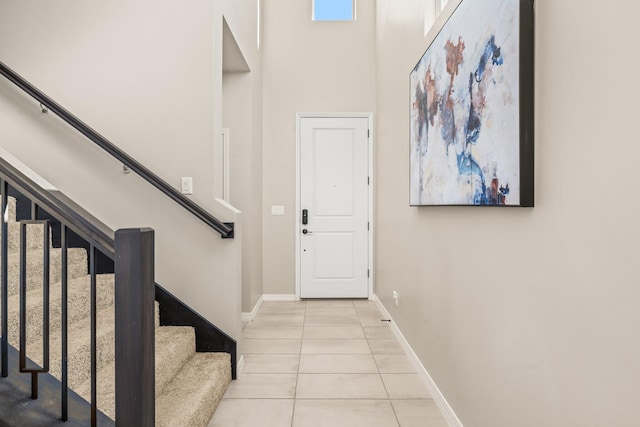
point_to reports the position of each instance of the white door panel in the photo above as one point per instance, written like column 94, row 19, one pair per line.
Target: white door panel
column 333, row 255
column 334, row 190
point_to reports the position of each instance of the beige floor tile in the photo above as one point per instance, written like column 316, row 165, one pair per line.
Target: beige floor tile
column 345, row 320
column 290, row 311
column 330, row 311
column 272, row 332
column 385, row 347
column 333, row 332
column 256, row 386
column 378, row 332
column 277, row 319
column 343, row 413
column 269, row 345
column 340, row 386
column 371, row 319
column 328, row 346
column 271, row 363
column 418, row 413
column 253, row 413
column 329, row 303
column 367, row 308
column 337, row 364
column 296, row 307
column 364, row 304
column 344, row 345
column 405, row 386
column 394, row 364
column 370, row 310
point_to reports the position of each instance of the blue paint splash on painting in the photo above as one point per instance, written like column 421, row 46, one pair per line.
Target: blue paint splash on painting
column 467, row 165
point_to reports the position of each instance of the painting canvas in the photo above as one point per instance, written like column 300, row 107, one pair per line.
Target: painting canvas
column 472, row 109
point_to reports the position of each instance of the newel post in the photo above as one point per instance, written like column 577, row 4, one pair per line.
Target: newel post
column 135, row 326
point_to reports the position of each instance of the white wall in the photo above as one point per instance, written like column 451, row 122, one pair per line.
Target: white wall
column 245, row 178
column 308, row 67
column 242, row 116
column 525, row 317
column 148, row 76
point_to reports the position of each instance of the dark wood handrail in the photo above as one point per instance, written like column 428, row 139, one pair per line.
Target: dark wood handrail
column 225, row 229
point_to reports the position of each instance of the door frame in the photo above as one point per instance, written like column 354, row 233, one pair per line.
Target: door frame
column 370, row 234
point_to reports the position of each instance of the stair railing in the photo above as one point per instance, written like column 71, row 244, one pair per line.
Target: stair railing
column 132, row 252
column 225, row 229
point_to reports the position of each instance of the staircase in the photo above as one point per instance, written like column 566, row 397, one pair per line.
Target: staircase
column 188, row 384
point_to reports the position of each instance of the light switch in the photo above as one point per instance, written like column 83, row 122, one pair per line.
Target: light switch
column 187, row 185
column 277, row 210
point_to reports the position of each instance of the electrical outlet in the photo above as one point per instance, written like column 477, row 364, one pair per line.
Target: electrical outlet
column 395, row 297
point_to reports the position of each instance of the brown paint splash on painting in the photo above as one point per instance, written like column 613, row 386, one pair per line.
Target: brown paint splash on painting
column 454, row 56
column 432, row 94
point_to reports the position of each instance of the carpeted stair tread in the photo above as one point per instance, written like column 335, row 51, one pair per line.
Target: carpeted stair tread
column 34, row 231
column 79, row 345
column 34, row 240
column 175, row 345
column 78, row 293
column 191, row 398
column 156, row 317
column 76, row 267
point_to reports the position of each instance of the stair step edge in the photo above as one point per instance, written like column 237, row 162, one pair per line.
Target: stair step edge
column 164, row 354
column 175, row 345
column 191, row 398
column 78, row 297
column 79, row 345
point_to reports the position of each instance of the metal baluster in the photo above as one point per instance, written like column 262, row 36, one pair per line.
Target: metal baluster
column 23, row 299
column 94, row 394
column 4, row 277
column 64, row 319
column 23, row 304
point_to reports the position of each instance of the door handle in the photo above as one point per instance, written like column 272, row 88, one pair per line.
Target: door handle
column 305, row 231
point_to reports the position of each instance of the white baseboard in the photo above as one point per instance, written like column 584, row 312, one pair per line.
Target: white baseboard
column 240, row 366
column 248, row 317
column 279, row 297
column 436, row 394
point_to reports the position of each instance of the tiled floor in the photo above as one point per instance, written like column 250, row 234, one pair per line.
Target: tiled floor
column 324, row 363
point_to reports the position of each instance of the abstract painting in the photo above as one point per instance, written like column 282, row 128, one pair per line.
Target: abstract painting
column 472, row 109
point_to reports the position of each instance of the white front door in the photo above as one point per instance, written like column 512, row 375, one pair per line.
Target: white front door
column 334, row 203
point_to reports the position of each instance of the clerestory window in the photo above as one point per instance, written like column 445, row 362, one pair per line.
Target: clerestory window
column 333, row 10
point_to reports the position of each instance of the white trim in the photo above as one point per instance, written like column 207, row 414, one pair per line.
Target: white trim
column 372, row 182
column 369, row 117
column 26, row 170
column 226, row 155
column 446, row 410
column 279, row 297
column 240, row 366
column 248, row 317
